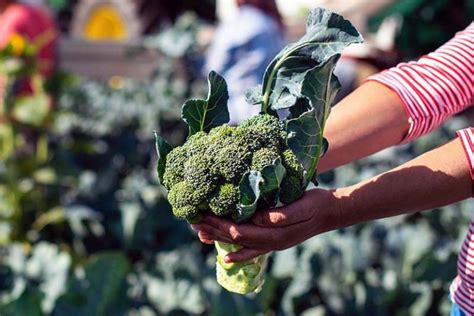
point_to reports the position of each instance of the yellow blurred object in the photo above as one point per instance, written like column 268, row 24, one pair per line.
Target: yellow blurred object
column 105, row 23
column 116, row 82
column 17, row 44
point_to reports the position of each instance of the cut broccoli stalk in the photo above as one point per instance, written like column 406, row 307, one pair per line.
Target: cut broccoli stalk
column 239, row 277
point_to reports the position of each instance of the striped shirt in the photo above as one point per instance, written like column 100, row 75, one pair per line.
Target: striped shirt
column 432, row 89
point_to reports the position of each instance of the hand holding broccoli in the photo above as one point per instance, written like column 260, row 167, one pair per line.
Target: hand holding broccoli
column 273, row 229
column 234, row 172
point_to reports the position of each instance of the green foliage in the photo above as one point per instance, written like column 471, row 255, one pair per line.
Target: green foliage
column 327, row 34
column 92, row 213
column 203, row 115
column 162, row 149
column 100, row 289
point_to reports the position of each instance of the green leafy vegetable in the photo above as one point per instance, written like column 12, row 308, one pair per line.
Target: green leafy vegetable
column 162, row 148
column 203, row 115
column 327, row 34
column 235, row 171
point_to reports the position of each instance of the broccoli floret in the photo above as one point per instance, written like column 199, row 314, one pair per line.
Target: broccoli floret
column 183, row 194
column 174, row 170
column 225, row 200
column 232, row 162
column 219, row 138
column 292, row 165
column 264, row 157
column 186, row 202
column 196, row 144
column 263, row 131
column 188, row 212
column 221, row 132
column 291, row 189
column 199, row 175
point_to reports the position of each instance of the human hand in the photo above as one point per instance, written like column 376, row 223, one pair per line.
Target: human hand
column 274, row 229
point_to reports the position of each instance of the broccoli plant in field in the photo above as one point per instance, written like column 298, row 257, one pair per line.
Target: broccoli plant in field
column 234, row 171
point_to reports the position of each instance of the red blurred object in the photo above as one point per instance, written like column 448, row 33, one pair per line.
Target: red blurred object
column 31, row 22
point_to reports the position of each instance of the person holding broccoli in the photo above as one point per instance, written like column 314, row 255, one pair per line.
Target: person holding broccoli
column 395, row 106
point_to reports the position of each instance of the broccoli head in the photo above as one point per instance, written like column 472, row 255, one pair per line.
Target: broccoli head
column 204, row 174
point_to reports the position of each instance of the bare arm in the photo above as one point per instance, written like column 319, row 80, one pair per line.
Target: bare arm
column 434, row 179
column 437, row 178
column 368, row 120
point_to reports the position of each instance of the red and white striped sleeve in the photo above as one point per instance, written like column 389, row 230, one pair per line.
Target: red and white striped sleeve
column 436, row 86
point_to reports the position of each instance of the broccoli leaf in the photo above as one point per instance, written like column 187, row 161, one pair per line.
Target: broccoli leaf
column 319, row 88
column 255, row 185
column 249, row 194
column 327, row 34
column 204, row 115
column 253, row 95
column 272, row 177
column 162, row 149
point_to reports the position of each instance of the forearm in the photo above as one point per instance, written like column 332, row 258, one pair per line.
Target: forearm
column 437, row 178
column 368, row 120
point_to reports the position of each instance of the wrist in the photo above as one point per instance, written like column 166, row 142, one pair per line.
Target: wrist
column 342, row 209
column 330, row 210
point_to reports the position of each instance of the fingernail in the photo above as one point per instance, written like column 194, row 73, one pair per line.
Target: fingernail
column 227, row 259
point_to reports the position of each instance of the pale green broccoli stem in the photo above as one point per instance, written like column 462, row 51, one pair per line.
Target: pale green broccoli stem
column 240, row 277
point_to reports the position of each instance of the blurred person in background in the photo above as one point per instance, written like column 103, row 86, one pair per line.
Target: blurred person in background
column 243, row 47
column 395, row 106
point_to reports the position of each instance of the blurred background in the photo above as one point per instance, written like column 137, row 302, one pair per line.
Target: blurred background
column 84, row 225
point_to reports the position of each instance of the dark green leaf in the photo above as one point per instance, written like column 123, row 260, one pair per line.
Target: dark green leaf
column 101, row 291
column 272, row 177
column 327, row 34
column 255, row 185
column 305, row 141
column 29, row 303
column 203, row 115
column 319, row 88
column 162, row 149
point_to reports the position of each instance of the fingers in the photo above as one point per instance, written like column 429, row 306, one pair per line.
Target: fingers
column 243, row 234
column 243, row 254
column 205, row 238
column 216, row 234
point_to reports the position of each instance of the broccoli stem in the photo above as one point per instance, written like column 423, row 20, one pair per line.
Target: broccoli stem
column 239, row 277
